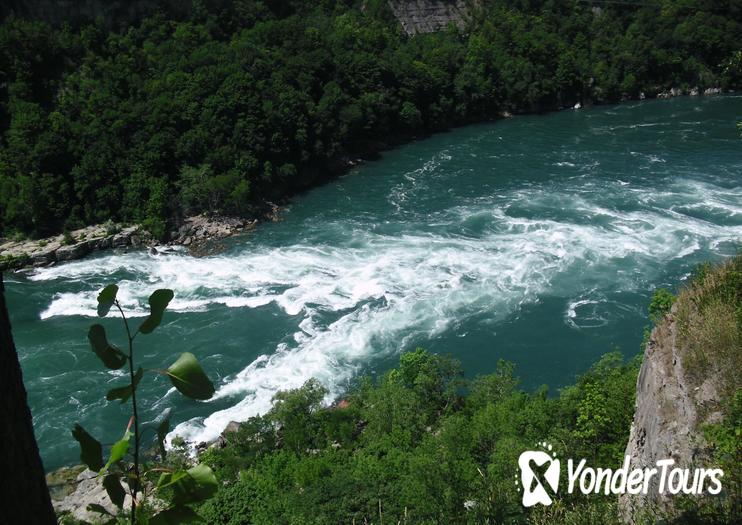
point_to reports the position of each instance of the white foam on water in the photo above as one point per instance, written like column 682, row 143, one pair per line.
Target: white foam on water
column 387, row 291
column 574, row 305
column 589, row 313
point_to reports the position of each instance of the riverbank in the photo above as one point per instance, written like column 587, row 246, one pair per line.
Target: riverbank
column 197, row 234
column 15, row 255
column 200, row 233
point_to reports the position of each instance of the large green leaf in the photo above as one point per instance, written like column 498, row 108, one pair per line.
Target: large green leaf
column 158, row 301
column 114, row 489
column 163, row 426
column 91, row 452
column 195, row 484
column 124, row 392
column 111, row 356
column 189, row 378
column 106, row 298
column 168, row 478
column 175, row 516
column 118, row 451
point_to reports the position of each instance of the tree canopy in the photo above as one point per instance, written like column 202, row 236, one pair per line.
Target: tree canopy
column 245, row 101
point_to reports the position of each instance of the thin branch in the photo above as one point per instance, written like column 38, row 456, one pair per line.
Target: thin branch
column 135, row 481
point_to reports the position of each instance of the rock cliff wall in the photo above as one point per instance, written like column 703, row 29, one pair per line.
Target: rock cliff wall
column 429, row 16
column 671, row 410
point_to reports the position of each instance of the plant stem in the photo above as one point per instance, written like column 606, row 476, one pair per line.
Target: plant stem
column 135, row 483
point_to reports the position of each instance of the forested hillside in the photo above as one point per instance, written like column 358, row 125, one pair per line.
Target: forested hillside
column 247, row 101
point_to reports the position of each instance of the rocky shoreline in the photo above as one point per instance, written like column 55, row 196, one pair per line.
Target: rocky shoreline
column 15, row 255
column 196, row 233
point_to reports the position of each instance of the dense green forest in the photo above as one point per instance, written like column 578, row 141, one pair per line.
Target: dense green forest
column 412, row 449
column 246, row 101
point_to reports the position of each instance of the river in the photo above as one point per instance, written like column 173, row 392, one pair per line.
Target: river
column 537, row 239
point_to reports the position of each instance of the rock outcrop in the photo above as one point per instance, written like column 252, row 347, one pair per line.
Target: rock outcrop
column 198, row 234
column 74, row 489
column 694, row 92
column 670, row 412
column 75, row 496
column 196, row 231
column 75, row 245
column 429, row 16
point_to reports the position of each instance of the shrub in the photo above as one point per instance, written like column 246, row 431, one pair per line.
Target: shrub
column 709, row 323
column 660, row 305
column 412, row 447
column 67, row 239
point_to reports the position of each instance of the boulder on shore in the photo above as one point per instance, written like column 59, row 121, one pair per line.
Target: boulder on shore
column 88, row 490
column 73, row 251
column 197, row 231
column 70, row 246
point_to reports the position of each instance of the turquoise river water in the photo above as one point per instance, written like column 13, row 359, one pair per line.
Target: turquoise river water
column 539, row 240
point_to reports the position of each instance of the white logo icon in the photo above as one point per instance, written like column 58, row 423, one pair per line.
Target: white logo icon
column 533, row 489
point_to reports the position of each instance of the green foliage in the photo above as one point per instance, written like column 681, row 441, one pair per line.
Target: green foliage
column 106, row 299
column 125, row 392
column 189, row 378
column 111, row 356
column 14, row 261
column 158, row 301
column 600, row 399
column 659, row 306
column 246, row 101
column 186, row 487
column 417, row 444
column 709, row 325
column 726, row 439
column 91, row 452
column 111, row 228
column 67, row 239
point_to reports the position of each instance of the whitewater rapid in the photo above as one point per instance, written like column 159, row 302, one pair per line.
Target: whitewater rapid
column 488, row 257
column 441, row 238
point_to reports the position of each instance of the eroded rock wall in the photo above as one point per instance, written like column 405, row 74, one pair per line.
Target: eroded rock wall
column 668, row 419
column 429, row 16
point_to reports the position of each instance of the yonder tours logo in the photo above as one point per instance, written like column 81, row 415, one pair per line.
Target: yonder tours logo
column 540, row 471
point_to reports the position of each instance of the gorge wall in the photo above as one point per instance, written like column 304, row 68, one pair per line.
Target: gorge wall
column 690, row 372
column 429, row 16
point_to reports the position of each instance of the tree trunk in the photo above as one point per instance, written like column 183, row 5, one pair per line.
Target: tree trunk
column 24, row 496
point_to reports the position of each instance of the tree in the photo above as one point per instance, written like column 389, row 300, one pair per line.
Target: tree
column 24, row 496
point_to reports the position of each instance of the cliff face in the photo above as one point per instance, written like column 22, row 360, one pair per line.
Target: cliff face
column 692, row 367
column 670, row 411
column 429, row 16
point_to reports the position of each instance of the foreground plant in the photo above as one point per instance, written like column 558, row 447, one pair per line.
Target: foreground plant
column 186, row 486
